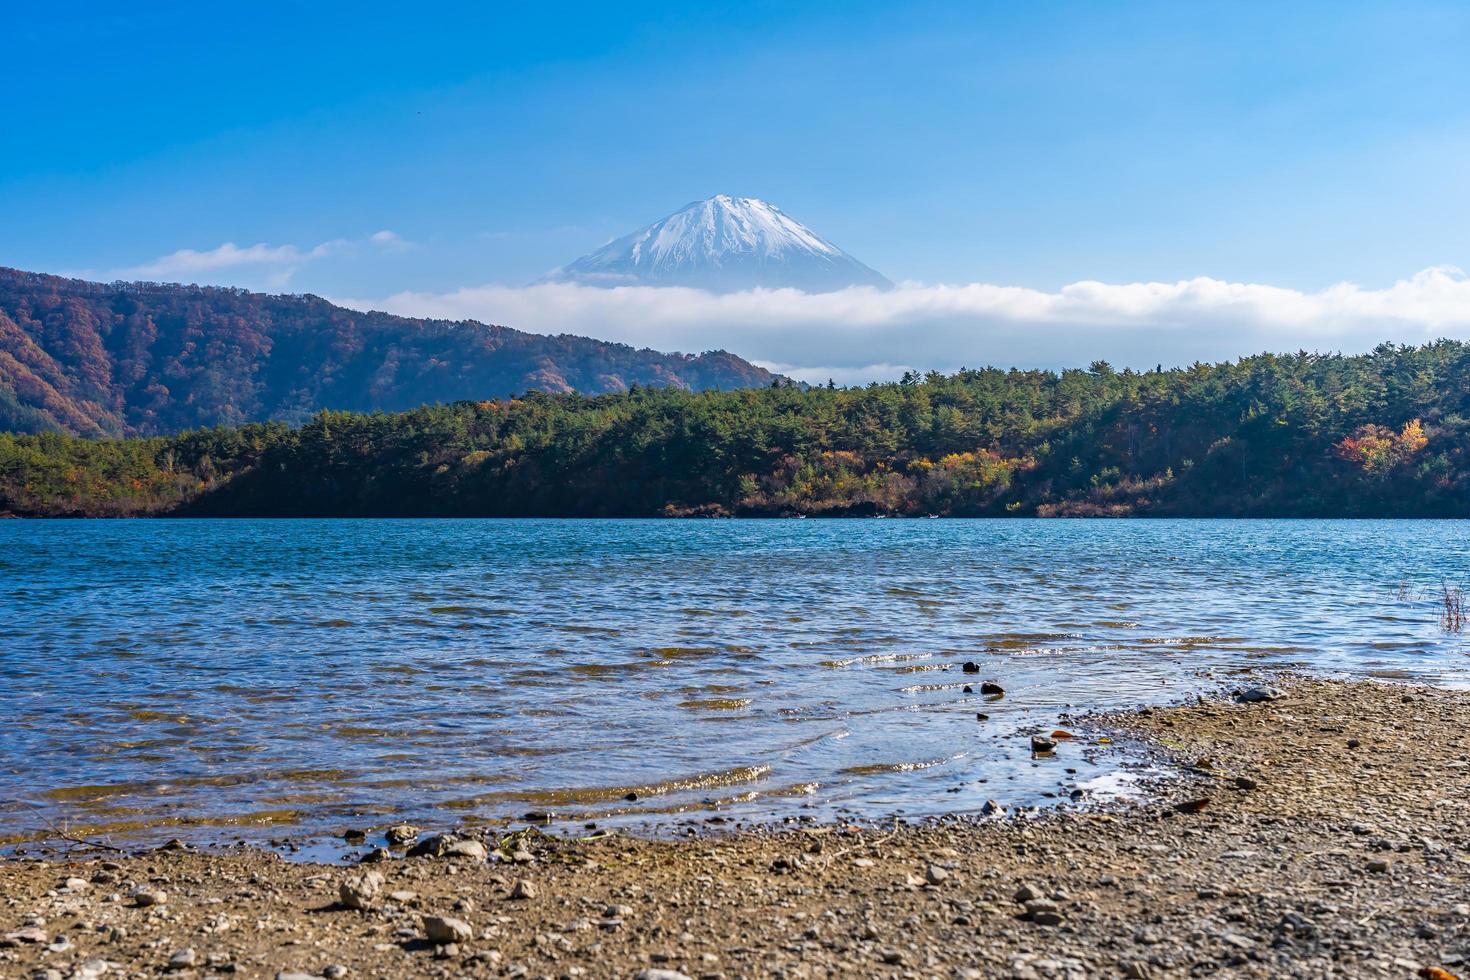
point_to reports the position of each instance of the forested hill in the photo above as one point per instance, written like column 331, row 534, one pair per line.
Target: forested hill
column 1383, row 434
column 146, row 358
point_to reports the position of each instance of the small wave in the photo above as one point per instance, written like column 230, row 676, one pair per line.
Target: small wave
column 882, row 768
column 875, row 658
column 587, row 795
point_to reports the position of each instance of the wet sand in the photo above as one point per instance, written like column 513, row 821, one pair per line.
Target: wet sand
column 1326, row 833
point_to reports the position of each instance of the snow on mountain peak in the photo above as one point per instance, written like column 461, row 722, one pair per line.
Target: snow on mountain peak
column 723, row 244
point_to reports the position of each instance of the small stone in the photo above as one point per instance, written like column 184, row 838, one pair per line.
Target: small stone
column 1027, row 892
column 1136, row 970
column 404, row 896
column 970, row 667
column 173, row 845
column 334, row 972
column 376, row 856
column 1353, row 743
column 30, row 934
column 295, row 975
column 523, row 889
column 92, row 969
column 617, row 911
column 1379, row 867
column 522, row 856
column 361, row 891
column 441, row 930
column 538, row 816
column 992, row 688
column 1040, row 744
column 447, row 952
column 430, row 847
column 183, row 959
column 1245, row 782
column 936, row 875
column 471, row 849
column 401, row 834
column 654, row 974
column 77, row 884
column 1048, row 916
column 991, row 808
column 144, row 897
column 1252, row 695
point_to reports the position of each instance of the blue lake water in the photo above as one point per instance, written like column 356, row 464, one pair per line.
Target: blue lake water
column 228, row 679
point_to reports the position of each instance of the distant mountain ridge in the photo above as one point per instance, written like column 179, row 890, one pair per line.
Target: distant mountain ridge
column 723, row 244
column 116, row 359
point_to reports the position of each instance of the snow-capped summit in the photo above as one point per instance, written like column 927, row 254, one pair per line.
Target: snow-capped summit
column 723, row 244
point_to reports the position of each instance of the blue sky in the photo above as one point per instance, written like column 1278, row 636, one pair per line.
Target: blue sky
column 1030, row 144
column 1021, row 144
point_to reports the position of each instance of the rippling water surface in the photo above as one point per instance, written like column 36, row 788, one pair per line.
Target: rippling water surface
column 256, row 675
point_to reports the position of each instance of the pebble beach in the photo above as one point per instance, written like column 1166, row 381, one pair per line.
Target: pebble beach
column 1304, row 828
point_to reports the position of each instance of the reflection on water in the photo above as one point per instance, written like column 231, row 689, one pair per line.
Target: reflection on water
column 318, row 673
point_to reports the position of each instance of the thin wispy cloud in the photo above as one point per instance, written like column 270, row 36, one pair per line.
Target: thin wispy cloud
column 862, row 334
column 390, row 241
column 281, row 262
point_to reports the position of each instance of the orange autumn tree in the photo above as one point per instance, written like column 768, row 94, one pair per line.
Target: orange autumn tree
column 1377, row 448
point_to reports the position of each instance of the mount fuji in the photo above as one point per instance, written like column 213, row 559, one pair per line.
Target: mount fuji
column 723, row 244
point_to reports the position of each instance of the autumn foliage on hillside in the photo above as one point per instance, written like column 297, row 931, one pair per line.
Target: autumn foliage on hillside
column 1378, row 449
column 145, row 358
column 1382, row 434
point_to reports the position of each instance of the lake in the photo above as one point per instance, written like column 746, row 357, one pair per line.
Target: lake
column 243, row 679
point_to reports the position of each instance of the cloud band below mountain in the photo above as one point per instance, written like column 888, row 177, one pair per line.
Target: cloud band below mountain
column 861, row 334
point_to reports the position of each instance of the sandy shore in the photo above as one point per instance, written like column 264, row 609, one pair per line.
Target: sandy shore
column 1326, row 833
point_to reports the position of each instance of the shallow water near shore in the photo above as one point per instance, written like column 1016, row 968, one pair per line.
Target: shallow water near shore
column 254, row 678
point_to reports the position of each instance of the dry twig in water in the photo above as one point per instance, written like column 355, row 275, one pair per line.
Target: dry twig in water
column 1452, row 614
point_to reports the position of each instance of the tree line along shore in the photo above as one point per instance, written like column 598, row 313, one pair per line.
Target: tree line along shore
column 1383, row 434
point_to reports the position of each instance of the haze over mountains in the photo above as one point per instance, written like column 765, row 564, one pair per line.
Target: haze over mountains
column 723, row 244
column 145, row 358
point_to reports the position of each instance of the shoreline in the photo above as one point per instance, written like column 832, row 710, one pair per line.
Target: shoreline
column 744, row 518
column 1333, row 840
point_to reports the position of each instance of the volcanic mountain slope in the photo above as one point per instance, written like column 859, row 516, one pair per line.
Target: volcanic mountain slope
column 723, row 244
column 144, row 358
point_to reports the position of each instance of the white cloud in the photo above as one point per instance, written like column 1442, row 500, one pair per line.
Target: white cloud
column 845, row 376
column 280, row 261
column 859, row 334
column 390, row 241
column 187, row 261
